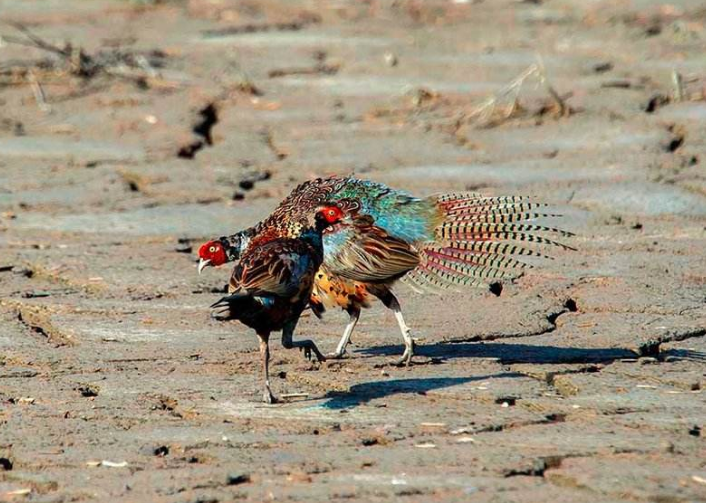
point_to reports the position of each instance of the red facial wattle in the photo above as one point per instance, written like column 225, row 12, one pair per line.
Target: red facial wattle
column 332, row 214
column 214, row 252
column 219, row 256
column 203, row 251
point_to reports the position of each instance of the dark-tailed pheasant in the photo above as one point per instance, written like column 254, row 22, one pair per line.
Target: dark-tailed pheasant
column 271, row 285
column 431, row 244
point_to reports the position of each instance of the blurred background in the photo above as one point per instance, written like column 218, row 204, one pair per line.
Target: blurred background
column 182, row 112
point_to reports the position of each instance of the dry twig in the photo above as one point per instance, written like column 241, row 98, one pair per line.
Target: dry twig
column 38, row 91
column 505, row 103
column 678, row 83
column 69, row 61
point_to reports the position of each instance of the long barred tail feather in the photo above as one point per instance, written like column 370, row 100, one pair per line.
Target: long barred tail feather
column 433, row 280
column 455, row 228
column 478, row 240
column 418, row 281
column 498, row 217
column 514, row 236
column 475, row 263
column 493, row 248
column 466, row 197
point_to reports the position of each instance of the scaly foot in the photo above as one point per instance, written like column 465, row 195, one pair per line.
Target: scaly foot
column 268, row 397
column 336, row 355
column 310, row 347
column 406, row 359
column 307, row 352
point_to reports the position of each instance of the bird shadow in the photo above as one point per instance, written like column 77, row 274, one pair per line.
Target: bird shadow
column 505, row 353
column 683, row 354
column 509, row 353
column 360, row 394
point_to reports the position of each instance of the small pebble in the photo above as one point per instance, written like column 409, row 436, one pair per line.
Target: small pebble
column 161, row 451
column 603, row 67
column 667, row 447
column 23, row 271
column 34, row 295
column 246, row 184
column 19, row 492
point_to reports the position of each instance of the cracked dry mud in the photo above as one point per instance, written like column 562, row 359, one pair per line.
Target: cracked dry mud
column 581, row 381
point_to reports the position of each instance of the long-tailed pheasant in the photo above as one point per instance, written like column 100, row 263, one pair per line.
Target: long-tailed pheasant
column 433, row 243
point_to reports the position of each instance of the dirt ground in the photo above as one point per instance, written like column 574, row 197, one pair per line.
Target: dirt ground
column 169, row 122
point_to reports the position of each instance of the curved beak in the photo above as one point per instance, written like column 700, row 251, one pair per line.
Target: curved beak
column 203, row 263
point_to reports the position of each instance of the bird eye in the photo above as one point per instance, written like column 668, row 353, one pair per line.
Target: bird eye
column 212, row 249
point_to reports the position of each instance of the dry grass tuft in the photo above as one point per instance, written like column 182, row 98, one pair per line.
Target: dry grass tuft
column 505, row 104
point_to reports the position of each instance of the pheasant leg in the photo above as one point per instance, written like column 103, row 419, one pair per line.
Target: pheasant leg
column 307, row 345
column 354, row 313
column 392, row 303
column 267, row 395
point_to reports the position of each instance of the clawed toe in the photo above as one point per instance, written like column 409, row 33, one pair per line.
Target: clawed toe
column 269, row 398
column 221, row 314
column 406, row 359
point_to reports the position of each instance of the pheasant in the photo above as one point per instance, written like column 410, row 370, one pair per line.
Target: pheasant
column 271, row 286
column 432, row 244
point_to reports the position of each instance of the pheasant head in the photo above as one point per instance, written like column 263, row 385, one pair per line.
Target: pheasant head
column 222, row 250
